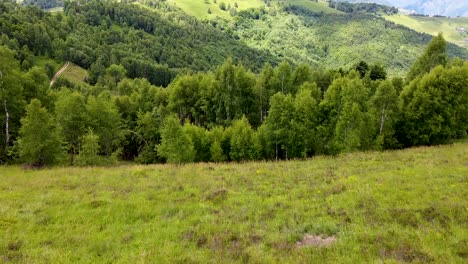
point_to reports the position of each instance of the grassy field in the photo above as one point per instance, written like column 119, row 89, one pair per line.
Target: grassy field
column 75, row 74
column 396, row 206
column 199, row 8
column 319, row 6
column 434, row 25
column 54, row 9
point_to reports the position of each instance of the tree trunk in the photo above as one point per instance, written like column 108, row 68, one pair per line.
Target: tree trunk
column 7, row 124
column 261, row 105
column 282, row 84
column 276, row 145
column 382, row 120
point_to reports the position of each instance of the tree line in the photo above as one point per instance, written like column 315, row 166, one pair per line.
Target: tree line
column 231, row 113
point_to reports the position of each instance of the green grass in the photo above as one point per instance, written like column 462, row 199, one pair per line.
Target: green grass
column 396, row 206
column 319, row 6
column 75, row 74
column 55, row 9
column 199, row 8
column 41, row 61
column 434, row 25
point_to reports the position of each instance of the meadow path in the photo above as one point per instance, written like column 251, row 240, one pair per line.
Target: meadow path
column 57, row 74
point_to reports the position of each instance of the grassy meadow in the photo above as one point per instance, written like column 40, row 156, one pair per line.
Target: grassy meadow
column 396, row 206
column 434, row 25
column 199, row 8
column 75, row 74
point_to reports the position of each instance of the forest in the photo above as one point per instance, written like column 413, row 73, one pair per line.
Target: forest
column 170, row 88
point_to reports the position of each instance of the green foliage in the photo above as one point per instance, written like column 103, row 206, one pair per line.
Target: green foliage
column 125, row 34
column 44, row 4
column 349, row 127
column 200, row 141
column 279, row 124
column 176, row 146
column 434, row 107
column 243, row 146
column 346, row 103
column 434, row 25
column 305, row 122
column 216, row 152
column 222, row 6
column 89, row 150
column 11, row 99
column 39, row 140
column 89, row 154
column 363, row 7
column 286, row 111
column 72, row 118
column 147, row 136
column 104, row 119
column 384, row 107
column 336, row 40
column 435, row 54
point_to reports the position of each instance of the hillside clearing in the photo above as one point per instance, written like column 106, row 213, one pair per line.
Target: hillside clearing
column 435, row 25
column 199, row 8
column 75, row 74
column 403, row 206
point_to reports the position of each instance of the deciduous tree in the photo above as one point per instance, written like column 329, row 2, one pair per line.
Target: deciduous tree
column 39, row 141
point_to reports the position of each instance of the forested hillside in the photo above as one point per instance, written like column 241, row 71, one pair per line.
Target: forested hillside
column 96, row 34
column 159, row 80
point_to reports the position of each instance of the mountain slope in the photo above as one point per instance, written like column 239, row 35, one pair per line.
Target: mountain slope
column 450, row 8
column 210, row 9
column 450, row 27
column 335, row 40
column 96, row 34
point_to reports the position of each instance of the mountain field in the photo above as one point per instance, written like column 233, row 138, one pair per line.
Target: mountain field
column 451, row 27
column 396, row 206
column 450, row 8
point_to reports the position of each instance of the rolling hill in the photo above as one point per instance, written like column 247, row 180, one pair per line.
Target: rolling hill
column 311, row 32
column 450, row 27
column 295, row 30
column 451, row 8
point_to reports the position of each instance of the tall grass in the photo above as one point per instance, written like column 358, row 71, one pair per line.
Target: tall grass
column 395, row 206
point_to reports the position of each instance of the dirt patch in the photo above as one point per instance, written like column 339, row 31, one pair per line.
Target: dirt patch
column 32, row 166
column 316, row 241
column 406, row 253
column 220, row 194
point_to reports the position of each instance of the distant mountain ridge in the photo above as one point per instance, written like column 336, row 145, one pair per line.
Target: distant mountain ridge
column 450, row 8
